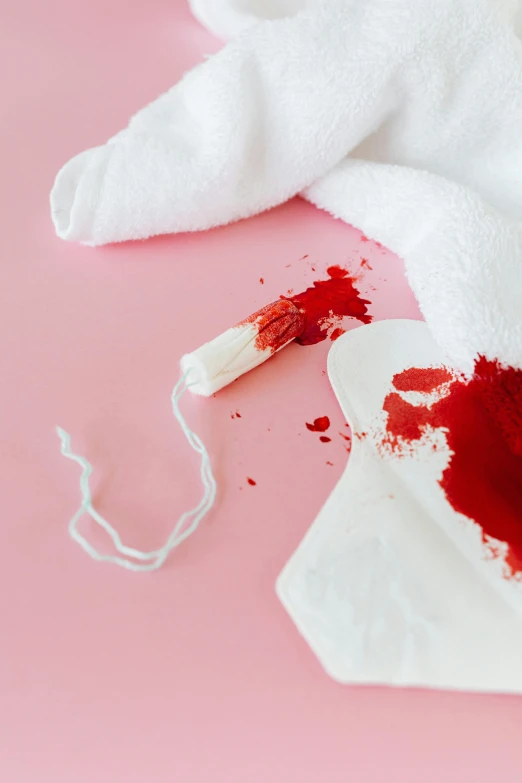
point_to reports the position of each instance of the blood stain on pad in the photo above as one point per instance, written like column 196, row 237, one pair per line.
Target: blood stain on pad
column 422, row 380
column 482, row 420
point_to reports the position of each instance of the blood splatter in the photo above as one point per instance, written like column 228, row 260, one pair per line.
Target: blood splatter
column 262, row 280
column 482, row 420
column 423, row 380
column 303, row 257
column 365, row 264
column 319, row 425
column 251, row 482
column 330, row 463
column 327, row 303
column 345, row 437
column 309, row 316
column 324, row 439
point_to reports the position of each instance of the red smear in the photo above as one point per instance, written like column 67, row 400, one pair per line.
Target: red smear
column 482, row 418
column 303, row 257
column 319, row 425
column 277, row 323
column 346, row 437
column 262, row 280
column 365, row 264
column 251, row 482
column 330, row 463
column 337, row 333
column 324, row 439
column 324, row 305
column 238, row 414
column 425, row 380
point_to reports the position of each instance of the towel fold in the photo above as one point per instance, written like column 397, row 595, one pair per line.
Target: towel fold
column 404, row 119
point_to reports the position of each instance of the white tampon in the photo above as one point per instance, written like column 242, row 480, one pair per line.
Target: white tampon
column 243, row 347
column 210, row 368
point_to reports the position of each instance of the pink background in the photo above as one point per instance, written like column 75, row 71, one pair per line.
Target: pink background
column 194, row 673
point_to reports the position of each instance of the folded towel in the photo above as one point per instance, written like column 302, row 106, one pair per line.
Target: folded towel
column 401, row 118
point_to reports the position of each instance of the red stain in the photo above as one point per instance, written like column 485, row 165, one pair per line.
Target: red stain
column 303, row 257
column 309, row 316
column 337, row 333
column 277, row 324
column 424, row 380
column 324, row 305
column 345, row 437
column 324, row 439
column 482, row 419
column 251, row 482
column 262, row 280
column 319, row 425
column 238, row 415
column 330, row 463
column 365, row 264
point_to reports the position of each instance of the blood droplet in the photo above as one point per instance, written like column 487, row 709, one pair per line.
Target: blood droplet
column 319, row 425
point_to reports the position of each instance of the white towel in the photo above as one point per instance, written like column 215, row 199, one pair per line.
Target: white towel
column 404, row 119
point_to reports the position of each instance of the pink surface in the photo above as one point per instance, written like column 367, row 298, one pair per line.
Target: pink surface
column 194, row 673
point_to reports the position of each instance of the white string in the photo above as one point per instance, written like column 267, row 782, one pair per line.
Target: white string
column 184, row 527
